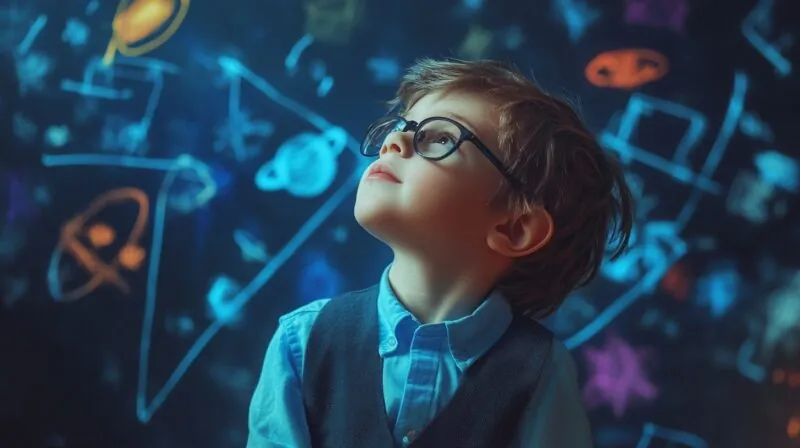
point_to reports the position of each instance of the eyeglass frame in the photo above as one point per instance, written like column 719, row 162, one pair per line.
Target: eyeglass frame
column 466, row 135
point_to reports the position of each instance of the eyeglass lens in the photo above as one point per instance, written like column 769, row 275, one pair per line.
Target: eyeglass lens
column 435, row 138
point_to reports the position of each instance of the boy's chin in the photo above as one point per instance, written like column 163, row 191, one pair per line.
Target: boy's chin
column 386, row 227
column 379, row 225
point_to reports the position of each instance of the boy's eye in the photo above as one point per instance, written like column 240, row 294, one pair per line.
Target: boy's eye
column 437, row 138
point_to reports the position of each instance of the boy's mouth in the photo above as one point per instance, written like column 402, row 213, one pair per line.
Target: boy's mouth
column 382, row 171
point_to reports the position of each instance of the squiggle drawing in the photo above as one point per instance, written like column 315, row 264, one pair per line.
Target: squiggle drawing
column 130, row 256
column 145, row 407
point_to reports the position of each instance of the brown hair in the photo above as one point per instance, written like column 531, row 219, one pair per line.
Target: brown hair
column 546, row 146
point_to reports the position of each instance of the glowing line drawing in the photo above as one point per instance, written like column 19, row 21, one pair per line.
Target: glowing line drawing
column 235, row 70
column 146, row 70
column 182, row 163
column 130, row 256
column 652, row 431
column 293, row 57
column 761, row 17
column 650, row 280
column 318, row 70
column 640, row 105
column 33, row 32
column 138, row 21
column 729, row 124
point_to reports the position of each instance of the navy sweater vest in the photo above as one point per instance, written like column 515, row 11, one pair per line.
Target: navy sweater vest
column 343, row 383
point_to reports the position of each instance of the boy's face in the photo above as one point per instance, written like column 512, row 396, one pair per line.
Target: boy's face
column 434, row 205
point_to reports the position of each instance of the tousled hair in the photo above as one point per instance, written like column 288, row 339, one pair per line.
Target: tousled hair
column 546, row 146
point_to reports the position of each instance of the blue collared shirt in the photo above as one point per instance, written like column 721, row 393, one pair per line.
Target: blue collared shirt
column 422, row 367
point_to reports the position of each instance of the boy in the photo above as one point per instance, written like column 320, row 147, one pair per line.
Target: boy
column 497, row 202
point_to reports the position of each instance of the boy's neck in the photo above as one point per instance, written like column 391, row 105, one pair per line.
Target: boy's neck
column 437, row 293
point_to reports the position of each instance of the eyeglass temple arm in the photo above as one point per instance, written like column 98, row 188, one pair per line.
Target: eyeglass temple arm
column 495, row 160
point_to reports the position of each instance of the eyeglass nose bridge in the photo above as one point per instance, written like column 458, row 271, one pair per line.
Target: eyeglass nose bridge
column 403, row 133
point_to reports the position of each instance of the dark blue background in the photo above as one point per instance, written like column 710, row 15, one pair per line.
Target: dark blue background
column 683, row 321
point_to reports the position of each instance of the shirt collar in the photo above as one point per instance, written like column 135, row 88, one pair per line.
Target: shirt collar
column 468, row 337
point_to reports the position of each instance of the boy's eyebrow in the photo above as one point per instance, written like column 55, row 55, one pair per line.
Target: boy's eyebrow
column 462, row 120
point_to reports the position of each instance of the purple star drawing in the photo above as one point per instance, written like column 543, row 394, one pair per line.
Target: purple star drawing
column 616, row 376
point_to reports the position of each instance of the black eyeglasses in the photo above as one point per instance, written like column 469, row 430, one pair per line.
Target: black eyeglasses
column 435, row 138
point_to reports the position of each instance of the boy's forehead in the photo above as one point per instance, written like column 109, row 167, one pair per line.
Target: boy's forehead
column 475, row 112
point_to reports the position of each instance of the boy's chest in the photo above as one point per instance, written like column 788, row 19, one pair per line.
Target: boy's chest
column 419, row 381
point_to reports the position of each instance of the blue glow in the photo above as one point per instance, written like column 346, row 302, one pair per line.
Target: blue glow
column 218, row 299
column 652, row 432
column 749, row 197
column 319, row 73
column 252, row 248
column 76, row 33
column 753, row 126
column 32, row 69
column 720, row 145
column 33, row 32
column 240, row 134
column 304, row 165
column 745, row 365
column 639, row 106
column 235, row 73
column 778, row 170
column 755, row 25
column 98, row 82
column 665, row 231
column 293, row 58
column 576, row 16
column 384, row 70
column 720, row 289
column 318, row 279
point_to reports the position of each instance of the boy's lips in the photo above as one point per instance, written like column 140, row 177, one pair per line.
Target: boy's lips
column 380, row 170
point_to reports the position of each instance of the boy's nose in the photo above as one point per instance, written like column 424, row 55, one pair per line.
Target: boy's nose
column 395, row 143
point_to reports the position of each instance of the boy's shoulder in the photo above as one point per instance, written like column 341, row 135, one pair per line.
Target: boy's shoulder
column 304, row 315
column 308, row 313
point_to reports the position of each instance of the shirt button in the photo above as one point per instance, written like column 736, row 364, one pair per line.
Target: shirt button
column 409, row 437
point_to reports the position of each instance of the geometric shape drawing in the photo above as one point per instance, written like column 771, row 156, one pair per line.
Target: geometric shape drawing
column 642, row 106
column 236, row 73
column 620, row 142
column 143, row 26
column 626, row 68
column 120, row 85
column 756, row 25
column 130, row 255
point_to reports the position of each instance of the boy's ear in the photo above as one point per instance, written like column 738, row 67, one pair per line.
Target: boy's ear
column 521, row 234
